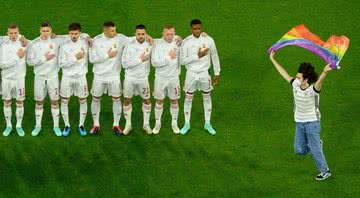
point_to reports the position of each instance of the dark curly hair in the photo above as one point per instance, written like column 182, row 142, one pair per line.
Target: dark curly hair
column 308, row 72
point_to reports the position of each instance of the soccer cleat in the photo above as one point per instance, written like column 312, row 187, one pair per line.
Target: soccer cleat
column 117, row 130
column 94, row 130
column 7, row 131
column 36, row 131
column 157, row 128
column 147, row 129
column 82, row 131
column 66, row 131
column 20, row 131
column 127, row 129
column 175, row 128
column 57, row 131
column 209, row 128
column 186, row 128
column 323, row 176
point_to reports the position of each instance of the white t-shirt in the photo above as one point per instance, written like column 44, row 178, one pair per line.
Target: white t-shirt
column 306, row 102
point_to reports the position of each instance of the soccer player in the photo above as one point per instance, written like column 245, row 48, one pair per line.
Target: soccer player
column 306, row 87
column 106, row 55
column 197, row 53
column 136, row 63
column 165, row 59
column 43, row 55
column 13, row 71
column 73, row 60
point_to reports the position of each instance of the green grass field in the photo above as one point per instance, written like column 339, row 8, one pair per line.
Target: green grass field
column 252, row 153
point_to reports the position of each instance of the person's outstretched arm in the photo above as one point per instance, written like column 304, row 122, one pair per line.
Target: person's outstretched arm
column 322, row 76
column 280, row 68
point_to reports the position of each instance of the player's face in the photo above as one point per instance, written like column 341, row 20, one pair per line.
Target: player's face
column 140, row 35
column 300, row 77
column 45, row 32
column 13, row 33
column 74, row 35
column 196, row 30
column 169, row 34
column 109, row 32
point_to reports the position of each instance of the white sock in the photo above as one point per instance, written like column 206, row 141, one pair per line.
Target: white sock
column 158, row 112
column 19, row 114
column 174, row 111
column 65, row 111
column 95, row 110
column 207, row 106
column 127, row 114
column 116, row 111
column 146, row 113
column 55, row 111
column 7, row 114
column 83, row 112
column 39, row 109
column 187, row 106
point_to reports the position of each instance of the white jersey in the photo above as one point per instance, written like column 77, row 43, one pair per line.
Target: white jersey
column 105, row 68
column 306, row 103
column 160, row 59
column 189, row 55
column 12, row 67
column 70, row 65
column 46, row 69
column 131, row 61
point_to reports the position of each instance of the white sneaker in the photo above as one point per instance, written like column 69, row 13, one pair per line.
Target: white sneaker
column 323, row 176
column 127, row 129
column 147, row 129
column 175, row 128
column 156, row 129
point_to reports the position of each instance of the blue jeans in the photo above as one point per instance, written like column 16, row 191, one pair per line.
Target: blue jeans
column 307, row 141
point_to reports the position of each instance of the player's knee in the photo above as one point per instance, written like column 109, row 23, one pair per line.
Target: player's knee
column 174, row 102
column 146, row 101
column 96, row 99
column 7, row 103
column 189, row 96
column 115, row 99
column 159, row 102
column 127, row 101
column 65, row 100
column 82, row 100
column 40, row 103
column 19, row 102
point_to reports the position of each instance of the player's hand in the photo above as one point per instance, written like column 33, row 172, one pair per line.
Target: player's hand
column 272, row 54
column 327, row 68
column 80, row 55
column 49, row 56
column 53, row 35
column 149, row 39
column 204, row 34
column 172, row 53
column 203, row 53
column 20, row 53
column 216, row 80
column 89, row 41
column 112, row 53
column 178, row 40
column 145, row 57
column 23, row 41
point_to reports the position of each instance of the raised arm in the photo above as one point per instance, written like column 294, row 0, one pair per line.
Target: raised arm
column 322, row 76
column 280, row 69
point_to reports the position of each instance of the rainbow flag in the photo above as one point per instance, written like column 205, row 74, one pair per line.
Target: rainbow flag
column 332, row 51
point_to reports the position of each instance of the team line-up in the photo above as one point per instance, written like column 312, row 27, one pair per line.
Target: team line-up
column 109, row 52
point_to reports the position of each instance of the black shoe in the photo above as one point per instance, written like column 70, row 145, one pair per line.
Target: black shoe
column 94, row 130
column 117, row 130
column 323, row 176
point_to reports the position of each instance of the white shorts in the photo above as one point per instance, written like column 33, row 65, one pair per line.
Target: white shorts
column 100, row 87
column 74, row 86
column 13, row 89
column 43, row 86
column 194, row 82
column 135, row 87
column 167, row 87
